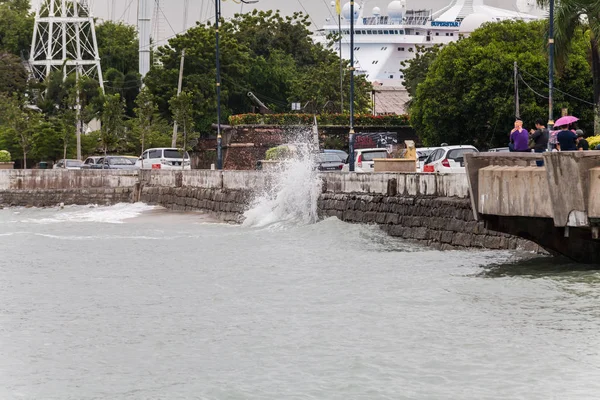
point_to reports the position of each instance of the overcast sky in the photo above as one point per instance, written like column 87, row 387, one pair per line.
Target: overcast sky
column 201, row 10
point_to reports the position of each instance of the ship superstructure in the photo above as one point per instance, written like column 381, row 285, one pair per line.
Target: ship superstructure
column 382, row 41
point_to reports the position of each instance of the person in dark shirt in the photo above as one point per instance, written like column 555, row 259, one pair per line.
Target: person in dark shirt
column 582, row 144
column 540, row 137
column 566, row 139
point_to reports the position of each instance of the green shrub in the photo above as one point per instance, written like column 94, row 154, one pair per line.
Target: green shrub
column 4, row 156
column 278, row 153
column 323, row 119
column 593, row 141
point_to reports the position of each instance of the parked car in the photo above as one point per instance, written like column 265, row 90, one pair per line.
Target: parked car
column 164, row 158
column 67, row 164
column 328, row 162
column 448, row 159
column 499, row 150
column 90, row 162
column 115, row 162
column 363, row 159
column 340, row 153
column 422, row 154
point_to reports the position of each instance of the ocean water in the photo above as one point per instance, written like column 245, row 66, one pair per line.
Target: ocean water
column 134, row 302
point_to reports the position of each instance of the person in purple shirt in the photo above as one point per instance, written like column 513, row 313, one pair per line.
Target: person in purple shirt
column 519, row 138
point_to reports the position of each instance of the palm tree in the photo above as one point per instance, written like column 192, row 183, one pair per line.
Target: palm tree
column 570, row 15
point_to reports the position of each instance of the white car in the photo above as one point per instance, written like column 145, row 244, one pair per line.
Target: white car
column 164, row 158
column 363, row 159
column 422, row 154
column 67, row 164
column 448, row 159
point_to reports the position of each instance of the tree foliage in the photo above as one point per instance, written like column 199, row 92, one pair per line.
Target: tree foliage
column 16, row 26
column 467, row 93
column 262, row 52
column 571, row 16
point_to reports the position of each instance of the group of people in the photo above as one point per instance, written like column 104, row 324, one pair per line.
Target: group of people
column 567, row 138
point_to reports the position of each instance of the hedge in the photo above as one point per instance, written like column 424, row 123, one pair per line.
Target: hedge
column 593, row 141
column 325, row 119
column 4, row 156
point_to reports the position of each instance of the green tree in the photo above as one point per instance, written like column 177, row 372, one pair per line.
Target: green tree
column 13, row 76
column 19, row 125
column 181, row 107
column 467, row 94
column 415, row 70
column 261, row 52
column 16, row 26
column 112, row 117
column 118, row 46
column 148, row 128
column 571, row 16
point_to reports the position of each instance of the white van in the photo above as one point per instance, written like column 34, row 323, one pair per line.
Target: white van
column 164, row 158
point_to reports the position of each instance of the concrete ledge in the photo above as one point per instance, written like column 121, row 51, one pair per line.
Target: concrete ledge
column 514, row 191
column 594, row 194
column 39, row 179
column 438, row 185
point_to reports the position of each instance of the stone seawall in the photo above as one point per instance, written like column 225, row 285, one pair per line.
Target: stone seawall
column 432, row 209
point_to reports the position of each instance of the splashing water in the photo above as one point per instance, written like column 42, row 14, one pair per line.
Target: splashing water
column 291, row 199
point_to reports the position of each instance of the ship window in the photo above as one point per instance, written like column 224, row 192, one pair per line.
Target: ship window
column 401, row 31
column 446, row 33
column 386, row 32
column 369, row 32
column 358, row 32
column 375, row 62
column 391, row 76
column 400, row 48
column 396, row 32
column 417, row 33
column 437, row 34
column 452, row 34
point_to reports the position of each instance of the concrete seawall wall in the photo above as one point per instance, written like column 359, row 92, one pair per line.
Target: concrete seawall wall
column 432, row 209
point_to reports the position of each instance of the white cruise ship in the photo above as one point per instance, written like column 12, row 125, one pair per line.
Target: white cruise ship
column 382, row 40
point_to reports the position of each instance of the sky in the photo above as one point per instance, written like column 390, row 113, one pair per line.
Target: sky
column 172, row 11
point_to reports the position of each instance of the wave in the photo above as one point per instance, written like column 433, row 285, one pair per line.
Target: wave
column 116, row 214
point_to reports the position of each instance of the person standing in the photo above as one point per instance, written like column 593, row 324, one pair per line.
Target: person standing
column 582, row 143
column 519, row 138
column 540, row 139
column 567, row 139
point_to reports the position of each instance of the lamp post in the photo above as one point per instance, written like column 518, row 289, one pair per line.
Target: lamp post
column 351, row 133
column 218, row 57
column 550, row 71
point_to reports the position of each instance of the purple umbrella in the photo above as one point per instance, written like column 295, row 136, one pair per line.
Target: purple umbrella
column 569, row 119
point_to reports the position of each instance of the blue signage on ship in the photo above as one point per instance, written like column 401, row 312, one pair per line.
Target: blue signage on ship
column 444, row 23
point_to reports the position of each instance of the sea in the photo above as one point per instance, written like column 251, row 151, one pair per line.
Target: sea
column 132, row 301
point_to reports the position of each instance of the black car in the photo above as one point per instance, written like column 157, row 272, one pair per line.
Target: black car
column 328, row 162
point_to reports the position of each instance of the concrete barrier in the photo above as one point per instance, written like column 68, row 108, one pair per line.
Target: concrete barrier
column 514, row 191
column 440, row 185
column 245, row 180
column 35, row 179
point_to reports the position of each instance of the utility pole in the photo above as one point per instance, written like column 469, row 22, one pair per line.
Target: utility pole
column 78, row 114
column 551, row 72
column 351, row 134
column 179, row 85
column 516, row 78
column 218, row 56
column 341, row 63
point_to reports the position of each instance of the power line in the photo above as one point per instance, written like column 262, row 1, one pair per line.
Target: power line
column 530, row 88
column 558, row 90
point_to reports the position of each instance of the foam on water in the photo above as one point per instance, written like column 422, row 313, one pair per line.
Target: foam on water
column 115, row 214
column 292, row 196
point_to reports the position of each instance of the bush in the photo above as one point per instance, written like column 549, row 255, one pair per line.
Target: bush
column 278, row 153
column 4, row 156
column 593, row 141
column 323, row 119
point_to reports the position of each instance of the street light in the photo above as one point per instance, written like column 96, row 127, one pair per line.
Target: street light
column 550, row 71
column 219, row 137
column 351, row 133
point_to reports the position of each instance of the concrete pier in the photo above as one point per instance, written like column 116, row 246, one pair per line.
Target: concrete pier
column 556, row 206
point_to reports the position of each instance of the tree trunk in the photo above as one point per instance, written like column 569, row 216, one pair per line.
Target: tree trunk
column 24, row 160
column 596, row 82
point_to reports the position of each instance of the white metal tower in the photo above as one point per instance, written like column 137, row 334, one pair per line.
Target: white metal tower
column 144, row 28
column 64, row 38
